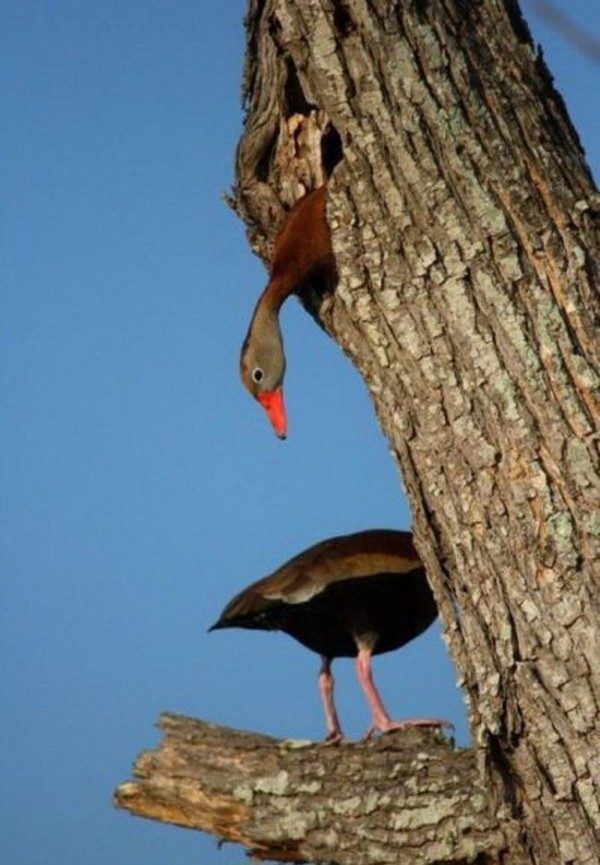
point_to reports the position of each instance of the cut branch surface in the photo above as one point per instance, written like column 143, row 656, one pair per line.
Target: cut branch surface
column 404, row 797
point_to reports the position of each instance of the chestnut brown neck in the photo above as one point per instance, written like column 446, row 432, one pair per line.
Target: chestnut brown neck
column 303, row 252
column 278, row 289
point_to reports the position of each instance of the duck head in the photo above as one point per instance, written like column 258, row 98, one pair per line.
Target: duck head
column 262, row 366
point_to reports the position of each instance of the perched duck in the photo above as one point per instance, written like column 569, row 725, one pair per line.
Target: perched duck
column 302, row 255
column 352, row 596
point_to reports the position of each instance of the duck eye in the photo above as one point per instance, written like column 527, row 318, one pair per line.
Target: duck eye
column 257, row 374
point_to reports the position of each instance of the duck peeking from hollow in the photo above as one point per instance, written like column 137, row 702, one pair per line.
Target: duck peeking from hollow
column 303, row 255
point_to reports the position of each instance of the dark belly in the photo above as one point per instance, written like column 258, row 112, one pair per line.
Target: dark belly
column 388, row 610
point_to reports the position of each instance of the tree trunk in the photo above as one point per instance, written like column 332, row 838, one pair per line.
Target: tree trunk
column 466, row 233
column 465, row 227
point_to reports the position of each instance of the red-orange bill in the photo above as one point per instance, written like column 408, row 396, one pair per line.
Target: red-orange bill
column 272, row 402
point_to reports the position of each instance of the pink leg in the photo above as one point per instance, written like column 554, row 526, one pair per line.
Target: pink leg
column 326, row 684
column 381, row 720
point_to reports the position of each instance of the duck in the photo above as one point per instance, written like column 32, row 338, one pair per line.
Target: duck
column 302, row 255
column 356, row 595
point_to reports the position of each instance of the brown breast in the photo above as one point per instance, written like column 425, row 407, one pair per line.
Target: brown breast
column 303, row 252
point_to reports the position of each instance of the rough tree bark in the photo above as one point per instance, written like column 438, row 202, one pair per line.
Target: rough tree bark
column 466, row 232
column 405, row 798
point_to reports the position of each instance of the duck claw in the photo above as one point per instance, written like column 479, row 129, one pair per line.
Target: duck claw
column 391, row 726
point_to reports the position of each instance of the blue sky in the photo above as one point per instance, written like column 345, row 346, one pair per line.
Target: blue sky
column 141, row 487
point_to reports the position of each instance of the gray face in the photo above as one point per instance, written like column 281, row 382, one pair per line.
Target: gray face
column 262, row 363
